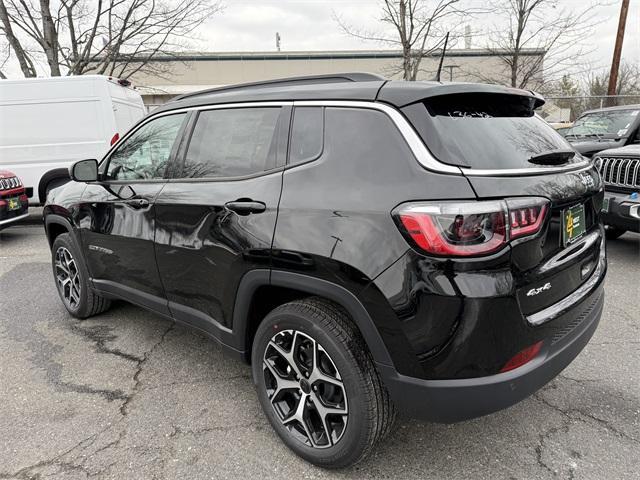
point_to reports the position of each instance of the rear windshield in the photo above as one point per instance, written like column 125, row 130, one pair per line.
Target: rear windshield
column 604, row 124
column 488, row 131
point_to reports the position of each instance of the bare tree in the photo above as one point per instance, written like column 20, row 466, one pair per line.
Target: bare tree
column 418, row 29
column 596, row 85
column 5, row 53
column 536, row 40
column 112, row 37
column 26, row 64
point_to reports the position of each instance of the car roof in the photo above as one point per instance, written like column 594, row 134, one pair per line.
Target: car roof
column 338, row 87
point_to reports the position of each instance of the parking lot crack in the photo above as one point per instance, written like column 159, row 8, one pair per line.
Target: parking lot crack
column 543, row 438
column 109, row 395
column 179, row 431
column 27, row 473
column 100, row 335
column 140, row 366
column 576, row 414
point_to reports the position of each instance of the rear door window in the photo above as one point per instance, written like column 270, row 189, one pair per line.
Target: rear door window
column 307, row 134
column 233, row 142
column 488, row 131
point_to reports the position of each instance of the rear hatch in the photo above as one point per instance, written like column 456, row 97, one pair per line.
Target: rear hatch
column 508, row 152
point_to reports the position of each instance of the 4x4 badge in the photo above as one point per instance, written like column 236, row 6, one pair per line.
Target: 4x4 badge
column 536, row 291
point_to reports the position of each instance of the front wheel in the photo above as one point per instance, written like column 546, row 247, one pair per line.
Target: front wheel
column 317, row 383
column 72, row 280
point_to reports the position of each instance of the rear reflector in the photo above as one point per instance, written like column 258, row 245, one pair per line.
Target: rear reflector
column 522, row 357
column 469, row 228
column 115, row 138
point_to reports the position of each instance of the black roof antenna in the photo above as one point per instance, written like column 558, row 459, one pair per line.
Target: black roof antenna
column 444, row 50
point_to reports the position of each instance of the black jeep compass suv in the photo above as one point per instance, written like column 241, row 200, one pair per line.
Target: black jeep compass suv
column 369, row 246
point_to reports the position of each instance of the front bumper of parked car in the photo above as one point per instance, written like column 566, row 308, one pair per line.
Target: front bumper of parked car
column 9, row 215
column 621, row 210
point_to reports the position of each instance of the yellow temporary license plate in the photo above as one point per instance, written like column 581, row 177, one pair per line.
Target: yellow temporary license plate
column 13, row 204
column 573, row 224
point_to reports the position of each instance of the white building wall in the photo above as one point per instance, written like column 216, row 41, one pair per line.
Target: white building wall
column 199, row 71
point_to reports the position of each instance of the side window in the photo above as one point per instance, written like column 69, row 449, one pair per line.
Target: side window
column 144, row 155
column 233, row 142
column 307, row 134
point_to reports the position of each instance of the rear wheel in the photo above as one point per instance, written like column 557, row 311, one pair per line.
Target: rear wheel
column 72, row 280
column 317, row 383
column 612, row 233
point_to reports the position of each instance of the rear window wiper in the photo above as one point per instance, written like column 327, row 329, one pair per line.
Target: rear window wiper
column 552, row 157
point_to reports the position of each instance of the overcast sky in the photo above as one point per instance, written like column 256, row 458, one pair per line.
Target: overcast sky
column 250, row 25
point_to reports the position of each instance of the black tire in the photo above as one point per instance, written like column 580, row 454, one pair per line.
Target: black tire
column 371, row 414
column 85, row 302
column 612, row 233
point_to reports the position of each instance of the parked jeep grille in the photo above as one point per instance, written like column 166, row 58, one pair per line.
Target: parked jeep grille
column 621, row 172
column 7, row 183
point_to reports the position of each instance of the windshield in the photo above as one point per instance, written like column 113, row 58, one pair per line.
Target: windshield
column 606, row 124
column 489, row 131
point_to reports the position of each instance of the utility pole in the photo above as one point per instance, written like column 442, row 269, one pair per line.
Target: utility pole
column 617, row 52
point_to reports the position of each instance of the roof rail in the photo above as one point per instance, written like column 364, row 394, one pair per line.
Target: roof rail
column 279, row 82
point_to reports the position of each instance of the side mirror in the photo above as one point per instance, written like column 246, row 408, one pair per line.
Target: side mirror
column 84, row 171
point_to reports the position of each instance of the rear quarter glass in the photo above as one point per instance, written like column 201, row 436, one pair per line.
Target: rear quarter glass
column 485, row 130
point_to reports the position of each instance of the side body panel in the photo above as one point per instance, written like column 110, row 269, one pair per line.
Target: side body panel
column 118, row 239
column 204, row 249
column 334, row 221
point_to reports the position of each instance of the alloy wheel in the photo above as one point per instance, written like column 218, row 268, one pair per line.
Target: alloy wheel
column 67, row 277
column 305, row 389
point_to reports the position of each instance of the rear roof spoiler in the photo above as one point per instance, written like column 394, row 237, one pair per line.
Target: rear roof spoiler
column 402, row 94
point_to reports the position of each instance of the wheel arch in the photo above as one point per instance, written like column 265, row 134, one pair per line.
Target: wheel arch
column 260, row 291
column 55, row 174
column 56, row 225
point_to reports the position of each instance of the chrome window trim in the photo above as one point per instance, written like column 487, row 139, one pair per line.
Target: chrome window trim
column 415, row 143
column 155, row 116
column 510, row 172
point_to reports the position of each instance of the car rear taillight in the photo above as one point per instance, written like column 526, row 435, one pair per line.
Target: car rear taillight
column 525, row 215
column 469, row 228
column 522, row 357
column 115, row 138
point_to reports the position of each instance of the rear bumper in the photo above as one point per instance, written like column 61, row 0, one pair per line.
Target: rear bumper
column 448, row 401
column 623, row 212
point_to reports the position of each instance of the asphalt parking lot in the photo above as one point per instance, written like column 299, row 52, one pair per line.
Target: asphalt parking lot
column 129, row 395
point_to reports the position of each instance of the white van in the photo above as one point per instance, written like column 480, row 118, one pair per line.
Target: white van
column 46, row 124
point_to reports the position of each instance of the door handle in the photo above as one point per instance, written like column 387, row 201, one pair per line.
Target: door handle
column 245, row 207
column 138, row 202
